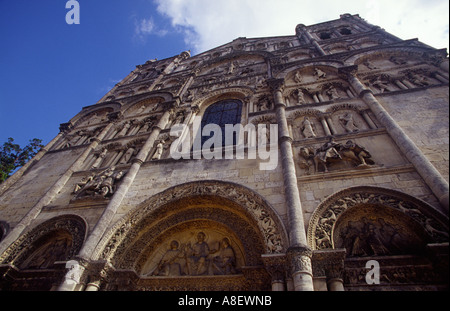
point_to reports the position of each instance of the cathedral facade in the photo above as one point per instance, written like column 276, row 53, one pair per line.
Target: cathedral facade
column 312, row 161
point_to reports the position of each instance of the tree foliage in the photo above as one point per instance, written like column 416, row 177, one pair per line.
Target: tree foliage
column 12, row 156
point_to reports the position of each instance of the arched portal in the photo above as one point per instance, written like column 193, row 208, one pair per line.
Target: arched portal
column 405, row 236
column 37, row 260
column 200, row 235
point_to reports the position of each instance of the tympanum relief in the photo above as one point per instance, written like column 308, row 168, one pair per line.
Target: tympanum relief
column 195, row 253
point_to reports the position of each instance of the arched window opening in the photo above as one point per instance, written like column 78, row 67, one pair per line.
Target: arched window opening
column 222, row 113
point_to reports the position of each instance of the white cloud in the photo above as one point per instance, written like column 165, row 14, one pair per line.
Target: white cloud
column 145, row 27
column 206, row 24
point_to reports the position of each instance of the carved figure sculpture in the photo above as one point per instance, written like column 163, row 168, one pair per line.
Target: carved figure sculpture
column 197, row 256
column 332, row 152
column 102, row 184
column 319, row 73
column 225, row 261
column 298, row 77
column 307, row 128
column 159, row 150
column 347, row 122
column 173, row 262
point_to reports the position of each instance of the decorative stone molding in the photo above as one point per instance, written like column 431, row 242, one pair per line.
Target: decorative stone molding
column 21, row 248
column 241, row 200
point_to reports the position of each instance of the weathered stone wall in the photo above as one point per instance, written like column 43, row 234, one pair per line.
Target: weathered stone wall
column 424, row 116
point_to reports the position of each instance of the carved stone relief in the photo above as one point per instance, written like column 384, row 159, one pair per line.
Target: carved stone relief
column 334, row 156
column 57, row 239
column 98, row 185
column 122, row 234
column 210, row 251
column 387, row 214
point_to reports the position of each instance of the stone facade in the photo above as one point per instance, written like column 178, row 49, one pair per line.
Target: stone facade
column 361, row 173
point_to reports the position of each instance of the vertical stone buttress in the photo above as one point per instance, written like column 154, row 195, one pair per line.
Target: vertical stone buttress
column 298, row 253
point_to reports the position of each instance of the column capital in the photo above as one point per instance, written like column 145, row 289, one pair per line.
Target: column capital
column 276, row 85
column 275, row 265
column 299, row 259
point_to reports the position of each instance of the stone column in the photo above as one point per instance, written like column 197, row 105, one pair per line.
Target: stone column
column 369, row 121
column 330, row 124
column 325, row 126
column 299, row 260
column 432, row 177
column 118, row 196
column 53, row 191
column 297, row 235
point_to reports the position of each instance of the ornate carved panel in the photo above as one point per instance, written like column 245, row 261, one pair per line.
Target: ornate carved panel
column 376, row 210
column 236, row 207
column 57, row 239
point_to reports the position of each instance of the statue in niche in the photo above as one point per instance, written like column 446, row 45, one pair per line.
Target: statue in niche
column 99, row 159
column 319, row 73
column 298, row 77
column 300, row 97
column 159, row 150
column 347, row 122
column 307, row 128
column 173, row 263
column 99, row 185
column 197, row 256
column 263, row 135
column 141, row 110
column 48, row 254
column 332, row 93
column 260, row 83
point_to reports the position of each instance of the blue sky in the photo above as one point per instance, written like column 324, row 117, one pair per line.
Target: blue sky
column 50, row 70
